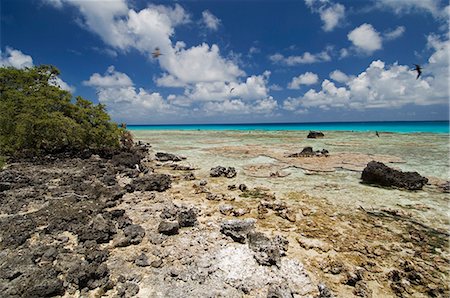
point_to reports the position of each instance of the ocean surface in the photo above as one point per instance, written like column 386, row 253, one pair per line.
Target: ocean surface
column 441, row 127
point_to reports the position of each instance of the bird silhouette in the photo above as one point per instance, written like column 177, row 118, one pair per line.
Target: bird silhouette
column 231, row 90
column 418, row 69
column 156, row 53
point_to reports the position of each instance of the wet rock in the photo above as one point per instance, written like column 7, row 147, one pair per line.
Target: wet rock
column 277, row 291
column 168, row 227
column 242, row 187
column 238, row 229
column 315, row 134
column 187, row 217
column 153, row 182
column 379, row 173
column 324, row 292
column 161, row 156
column 141, row 260
column 220, row 171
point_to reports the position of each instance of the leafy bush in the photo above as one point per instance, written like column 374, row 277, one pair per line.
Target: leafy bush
column 36, row 117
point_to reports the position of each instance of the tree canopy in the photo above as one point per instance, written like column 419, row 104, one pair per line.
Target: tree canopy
column 37, row 117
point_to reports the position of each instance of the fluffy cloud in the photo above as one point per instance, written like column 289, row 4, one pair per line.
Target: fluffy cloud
column 339, row 76
column 365, row 38
column 394, row 34
column 381, row 86
column 126, row 102
column 308, row 78
column 254, row 88
column 236, row 106
column 111, row 79
column 210, row 21
column 331, row 14
column 124, row 28
column 305, row 58
column 15, row 58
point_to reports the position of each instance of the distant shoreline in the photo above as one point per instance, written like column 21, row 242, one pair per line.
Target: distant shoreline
column 441, row 127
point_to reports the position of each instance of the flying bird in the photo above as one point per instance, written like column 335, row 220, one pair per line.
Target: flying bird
column 231, row 90
column 418, row 69
column 156, row 53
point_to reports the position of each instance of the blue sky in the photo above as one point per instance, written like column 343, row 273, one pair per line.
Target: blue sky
column 240, row 61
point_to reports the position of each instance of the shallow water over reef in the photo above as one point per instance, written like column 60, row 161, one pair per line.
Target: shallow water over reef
column 340, row 183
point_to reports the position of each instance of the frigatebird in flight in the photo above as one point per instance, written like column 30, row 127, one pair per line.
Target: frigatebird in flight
column 231, row 90
column 418, row 69
column 156, row 53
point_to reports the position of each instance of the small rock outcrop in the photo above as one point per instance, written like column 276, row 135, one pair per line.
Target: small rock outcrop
column 220, row 171
column 238, row 229
column 153, row 182
column 162, row 156
column 308, row 152
column 168, row 227
column 315, row 134
column 378, row 173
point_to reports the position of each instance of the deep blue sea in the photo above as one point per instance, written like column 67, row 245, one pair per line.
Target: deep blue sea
column 391, row 126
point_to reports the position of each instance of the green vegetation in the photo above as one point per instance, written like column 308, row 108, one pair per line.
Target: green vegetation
column 2, row 162
column 38, row 118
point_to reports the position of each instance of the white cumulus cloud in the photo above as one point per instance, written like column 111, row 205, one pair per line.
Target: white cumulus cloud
column 331, row 14
column 384, row 86
column 365, row 38
column 15, row 58
column 112, row 78
column 308, row 78
column 339, row 76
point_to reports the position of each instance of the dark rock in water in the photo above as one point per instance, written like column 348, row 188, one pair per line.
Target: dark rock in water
column 278, row 291
column 238, row 229
column 315, row 134
column 153, row 182
column 379, row 173
column 168, row 227
column 219, row 171
column 187, row 217
column 161, row 156
column 242, row 187
column 324, row 292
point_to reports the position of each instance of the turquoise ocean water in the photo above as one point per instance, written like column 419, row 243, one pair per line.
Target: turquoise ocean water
column 391, row 126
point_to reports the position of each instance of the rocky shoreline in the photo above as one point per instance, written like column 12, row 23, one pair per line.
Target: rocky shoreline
column 138, row 223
